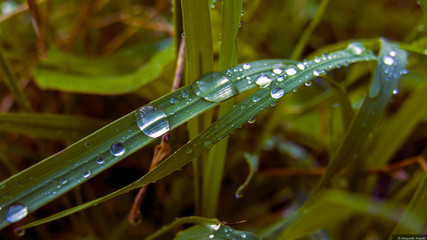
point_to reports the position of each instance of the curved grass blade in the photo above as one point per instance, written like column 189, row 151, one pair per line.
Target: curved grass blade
column 48, row 125
column 86, row 82
column 253, row 163
column 52, row 177
column 246, row 76
column 391, row 65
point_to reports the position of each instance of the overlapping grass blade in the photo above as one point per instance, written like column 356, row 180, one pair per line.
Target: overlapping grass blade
column 246, row 109
column 49, row 125
column 88, row 80
column 201, row 232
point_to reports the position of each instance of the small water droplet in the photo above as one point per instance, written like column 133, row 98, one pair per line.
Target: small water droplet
column 63, row 181
column 295, row 90
column 215, row 87
column 255, row 99
column 392, row 53
column 246, row 66
column 99, row 160
column 173, row 100
column 301, row 66
column 152, row 121
column 395, row 91
column 243, row 235
column 291, row 71
column 388, row 60
column 317, row 60
column 356, row 48
column 19, row 232
column 277, row 92
column 215, row 227
column 16, row 212
column 251, row 120
column 280, row 79
column 86, row 174
column 238, row 194
column 277, row 70
column 316, row 73
column 263, row 81
column 421, row 28
column 211, row 236
column 117, row 149
column 185, row 94
column 308, row 83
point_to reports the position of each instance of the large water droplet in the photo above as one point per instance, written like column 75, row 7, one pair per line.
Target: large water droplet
column 277, row 92
column 152, row 121
column 291, row 71
column 263, row 80
column 214, row 87
column 388, row 60
column 356, row 48
column 16, row 212
column 173, row 100
column 117, row 149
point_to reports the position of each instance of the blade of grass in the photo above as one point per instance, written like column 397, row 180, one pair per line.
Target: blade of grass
column 401, row 125
column 48, row 125
column 214, row 167
column 199, row 60
column 47, row 78
column 214, row 232
column 12, row 83
column 246, row 109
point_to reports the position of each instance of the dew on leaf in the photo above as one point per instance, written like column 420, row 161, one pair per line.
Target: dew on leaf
column 117, row 149
column 152, row 121
column 16, row 212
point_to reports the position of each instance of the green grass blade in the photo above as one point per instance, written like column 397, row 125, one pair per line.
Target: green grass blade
column 48, row 125
column 417, row 207
column 386, row 78
column 199, row 60
column 204, row 232
column 12, row 83
column 214, row 167
column 401, row 125
column 74, row 163
column 332, row 207
column 88, row 79
column 253, row 163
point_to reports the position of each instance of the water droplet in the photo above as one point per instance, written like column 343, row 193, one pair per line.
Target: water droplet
column 255, row 99
column 185, row 94
column 317, row 60
column 277, row 92
column 277, row 70
column 173, row 100
column 388, row 60
column 263, row 81
column 316, row 73
column 421, row 28
column 356, row 48
column 63, row 181
column 280, row 79
column 19, row 232
column 16, row 212
column 86, row 174
column 301, row 66
column 211, row 236
column 295, row 90
column 252, row 120
column 215, row 87
column 291, row 71
column 99, row 160
column 87, row 144
column 238, row 194
column 243, row 235
column 395, row 91
column 246, row 66
column 308, row 83
column 152, row 121
column 215, row 227
column 392, row 53
column 117, row 149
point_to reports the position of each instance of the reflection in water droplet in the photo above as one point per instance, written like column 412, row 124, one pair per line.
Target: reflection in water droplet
column 392, row 53
column 356, row 48
column 251, row 120
column 99, row 160
column 388, row 60
column 255, row 99
column 246, row 66
column 152, row 121
column 277, row 70
column 277, row 92
column 395, row 91
column 243, row 235
column 308, row 84
column 117, row 149
column 86, row 174
column 263, row 81
column 316, row 73
column 63, row 181
column 16, row 212
column 211, row 236
column 301, row 66
column 214, row 87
